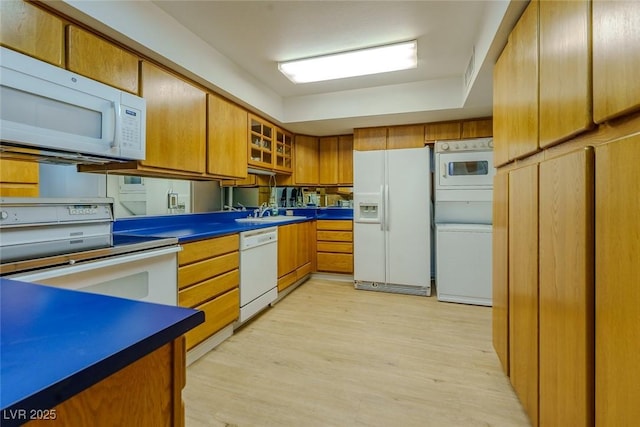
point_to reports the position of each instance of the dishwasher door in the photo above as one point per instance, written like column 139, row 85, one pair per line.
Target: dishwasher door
column 258, row 271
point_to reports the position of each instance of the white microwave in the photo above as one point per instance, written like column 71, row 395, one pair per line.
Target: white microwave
column 51, row 109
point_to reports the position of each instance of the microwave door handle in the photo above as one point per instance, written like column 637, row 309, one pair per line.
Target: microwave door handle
column 116, row 124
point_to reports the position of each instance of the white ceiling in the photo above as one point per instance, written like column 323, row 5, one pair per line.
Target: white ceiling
column 247, row 39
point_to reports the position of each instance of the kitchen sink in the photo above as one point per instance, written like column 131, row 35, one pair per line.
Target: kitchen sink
column 270, row 219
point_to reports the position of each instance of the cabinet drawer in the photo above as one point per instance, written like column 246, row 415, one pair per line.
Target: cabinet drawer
column 203, row 291
column 286, row 281
column 335, row 236
column 303, row 271
column 218, row 313
column 206, row 269
column 341, row 247
column 337, row 224
column 338, row 263
column 197, row 251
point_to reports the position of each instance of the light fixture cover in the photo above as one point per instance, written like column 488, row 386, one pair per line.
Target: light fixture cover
column 379, row 59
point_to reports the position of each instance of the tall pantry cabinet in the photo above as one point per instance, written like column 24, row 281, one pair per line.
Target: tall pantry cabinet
column 567, row 243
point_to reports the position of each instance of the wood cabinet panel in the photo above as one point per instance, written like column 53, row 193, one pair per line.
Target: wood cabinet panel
column 334, row 224
column 367, row 139
column 176, row 122
column 328, row 160
column 334, row 262
column 306, row 160
column 523, row 287
column 502, row 126
column 287, row 280
column 616, row 58
column 566, row 310
column 219, row 312
column 303, row 242
column 345, row 160
column 440, row 131
column 287, row 248
column 284, row 151
column 96, row 58
column 405, row 137
column 500, row 299
column 477, row 128
column 335, row 236
column 226, row 138
column 203, row 291
column 261, row 144
column 565, row 103
column 32, row 31
column 202, row 270
column 340, row 247
column 19, row 178
column 523, row 84
column 202, row 249
column 617, row 282
column 116, row 400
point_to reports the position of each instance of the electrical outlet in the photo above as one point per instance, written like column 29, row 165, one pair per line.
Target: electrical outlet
column 172, row 200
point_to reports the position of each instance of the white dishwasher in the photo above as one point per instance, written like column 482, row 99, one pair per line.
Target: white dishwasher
column 258, row 270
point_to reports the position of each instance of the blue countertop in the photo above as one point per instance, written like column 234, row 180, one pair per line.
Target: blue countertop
column 191, row 227
column 56, row 343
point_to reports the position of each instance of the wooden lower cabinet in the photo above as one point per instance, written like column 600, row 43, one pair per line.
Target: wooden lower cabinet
column 617, row 283
column 500, row 311
column 334, row 246
column 147, row 392
column 566, row 295
column 294, row 253
column 208, row 280
column 523, row 287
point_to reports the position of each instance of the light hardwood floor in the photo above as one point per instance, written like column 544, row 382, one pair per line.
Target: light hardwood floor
column 330, row 355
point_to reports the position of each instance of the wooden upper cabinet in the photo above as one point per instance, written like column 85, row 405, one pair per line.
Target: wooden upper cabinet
column 226, row 138
column 18, row 178
column 367, row 139
column 261, row 143
column 176, row 122
column 566, row 290
column 502, row 125
column 440, row 131
column 328, row 160
column 96, row 58
column 565, row 81
column 405, row 137
column 617, row 279
column 477, row 128
column 284, row 151
column 522, row 104
column 306, row 160
column 32, row 31
column 345, row 160
column 616, row 58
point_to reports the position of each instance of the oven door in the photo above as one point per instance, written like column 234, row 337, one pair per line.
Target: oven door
column 464, row 170
column 145, row 276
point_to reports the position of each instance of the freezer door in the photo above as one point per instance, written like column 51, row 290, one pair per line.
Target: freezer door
column 408, row 222
column 368, row 234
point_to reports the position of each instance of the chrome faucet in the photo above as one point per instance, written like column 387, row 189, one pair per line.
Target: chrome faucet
column 259, row 213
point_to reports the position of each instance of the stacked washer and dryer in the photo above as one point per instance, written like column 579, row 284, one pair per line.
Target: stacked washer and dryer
column 463, row 180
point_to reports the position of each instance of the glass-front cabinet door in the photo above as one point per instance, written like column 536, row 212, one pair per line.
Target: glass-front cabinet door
column 261, row 144
column 284, row 151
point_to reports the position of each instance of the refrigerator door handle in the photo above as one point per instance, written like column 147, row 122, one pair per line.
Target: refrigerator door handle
column 381, row 209
column 387, row 207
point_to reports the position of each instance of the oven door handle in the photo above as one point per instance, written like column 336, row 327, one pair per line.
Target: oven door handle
column 93, row 265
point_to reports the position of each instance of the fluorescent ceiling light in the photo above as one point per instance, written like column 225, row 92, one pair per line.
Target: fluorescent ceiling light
column 380, row 59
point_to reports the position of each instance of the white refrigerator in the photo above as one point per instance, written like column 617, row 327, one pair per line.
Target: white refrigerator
column 392, row 220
